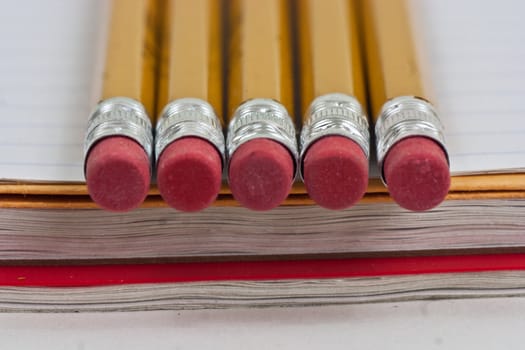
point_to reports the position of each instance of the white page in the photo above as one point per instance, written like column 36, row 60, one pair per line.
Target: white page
column 473, row 53
column 51, row 71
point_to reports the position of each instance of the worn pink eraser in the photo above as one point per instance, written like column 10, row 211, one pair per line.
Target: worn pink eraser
column 189, row 174
column 417, row 174
column 261, row 174
column 118, row 173
column 335, row 172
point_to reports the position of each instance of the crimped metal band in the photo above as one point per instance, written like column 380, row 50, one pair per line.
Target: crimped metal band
column 188, row 117
column 261, row 118
column 403, row 117
column 120, row 116
column 335, row 114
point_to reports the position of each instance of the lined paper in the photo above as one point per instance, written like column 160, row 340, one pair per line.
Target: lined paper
column 52, row 59
column 473, row 53
column 50, row 69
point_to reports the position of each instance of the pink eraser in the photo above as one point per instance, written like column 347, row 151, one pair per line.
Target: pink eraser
column 261, row 174
column 417, row 174
column 118, row 173
column 335, row 172
column 189, row 174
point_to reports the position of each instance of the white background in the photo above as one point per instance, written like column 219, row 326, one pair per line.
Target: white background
column 446, row 324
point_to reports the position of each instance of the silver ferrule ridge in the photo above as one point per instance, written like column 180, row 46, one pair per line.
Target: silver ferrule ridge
column 188, row 117
column 262, row 118
column 119, row 116
column 335, row 114
column 403, row 117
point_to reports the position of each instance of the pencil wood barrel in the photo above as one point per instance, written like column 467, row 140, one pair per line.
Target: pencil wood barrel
column 261, row 142
column 119, row 139
column 334, row 138
column 411, row 150
column 189, row 138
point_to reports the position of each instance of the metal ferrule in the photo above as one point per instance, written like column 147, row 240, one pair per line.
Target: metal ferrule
column 262, row 118
column 120, row 116
column 188, row 117
column 402, row 117
column 335, row 114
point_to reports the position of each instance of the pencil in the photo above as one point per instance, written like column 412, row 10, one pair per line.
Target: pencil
column 118, row 144
column 411, row 150
column 261, row 142
column 335, row 142
column 189, row 140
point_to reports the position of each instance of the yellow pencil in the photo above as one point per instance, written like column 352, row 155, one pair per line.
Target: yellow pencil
column 335, row 142
column 261, row 141
column 189, row 139
column 118, row 145
column 411, row 151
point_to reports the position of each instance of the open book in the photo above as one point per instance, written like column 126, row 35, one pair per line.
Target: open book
column 51, row 76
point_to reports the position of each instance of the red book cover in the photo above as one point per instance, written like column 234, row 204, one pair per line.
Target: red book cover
column 117, row 274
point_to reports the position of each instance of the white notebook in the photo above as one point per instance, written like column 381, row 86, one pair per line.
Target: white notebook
column 472, row 53
column 52, row 57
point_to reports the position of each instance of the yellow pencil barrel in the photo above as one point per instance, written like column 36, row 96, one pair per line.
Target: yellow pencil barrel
column 129, row 83
column 410, row 143
column 330, row 54
column 261, row 143
column 189, row 144
column 132, row 52
column 192, row 52
column 119, row 140
column 392, row 63
column 260, row 57
column 335, row 141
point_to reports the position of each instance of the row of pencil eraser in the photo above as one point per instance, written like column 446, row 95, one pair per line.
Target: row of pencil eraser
column 261, row 157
